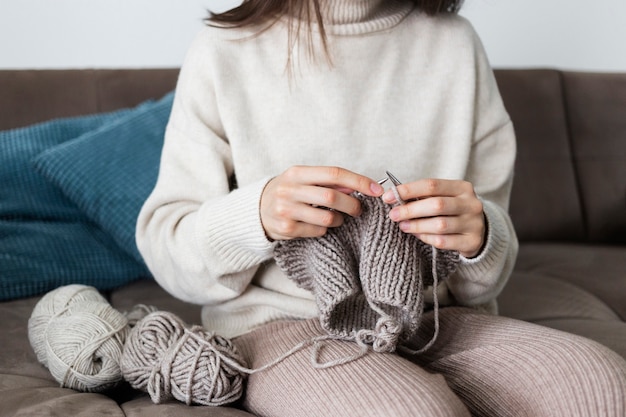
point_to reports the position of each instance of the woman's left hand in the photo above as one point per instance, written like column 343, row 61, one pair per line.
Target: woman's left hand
column 444, row 213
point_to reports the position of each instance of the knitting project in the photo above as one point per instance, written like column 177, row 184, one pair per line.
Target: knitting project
column 368, row 277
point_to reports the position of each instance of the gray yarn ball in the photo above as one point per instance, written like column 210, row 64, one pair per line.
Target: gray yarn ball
column 166, row 359
column 79, row 337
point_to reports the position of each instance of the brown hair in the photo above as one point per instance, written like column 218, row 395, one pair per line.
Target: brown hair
column 251, row 12
column 267, row 12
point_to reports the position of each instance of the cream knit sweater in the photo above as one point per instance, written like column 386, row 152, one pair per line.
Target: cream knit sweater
column 405, row 92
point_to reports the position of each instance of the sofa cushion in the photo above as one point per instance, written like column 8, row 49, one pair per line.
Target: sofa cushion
column 550, row 297
column 544, row 201
column 108, row 173
column 30, row 96
column 119, row 88
column 27, row 397
column 596, row 104
column 143, row 407
column 572, row 287
column 596, row 270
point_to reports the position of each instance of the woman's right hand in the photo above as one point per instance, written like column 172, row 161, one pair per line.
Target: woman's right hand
column 304, row 201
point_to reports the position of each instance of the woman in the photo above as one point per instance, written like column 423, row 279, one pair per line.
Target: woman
column 303, row 103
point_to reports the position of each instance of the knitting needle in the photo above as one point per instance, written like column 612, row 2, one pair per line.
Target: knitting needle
column 394, row 183
column 393, row 178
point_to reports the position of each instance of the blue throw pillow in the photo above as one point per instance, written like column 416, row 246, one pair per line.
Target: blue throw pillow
column 24, row 194
column 109, row 173
column 39, row 256
column 45, row 239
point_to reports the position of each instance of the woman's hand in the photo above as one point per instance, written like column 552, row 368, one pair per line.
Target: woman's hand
column 305, row 201
column 444, row 213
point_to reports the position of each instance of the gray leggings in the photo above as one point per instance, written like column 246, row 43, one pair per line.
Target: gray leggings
column 481, row 365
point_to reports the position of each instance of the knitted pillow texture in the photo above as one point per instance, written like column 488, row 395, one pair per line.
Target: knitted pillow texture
column 38, row 256
column 45, row 239
column 364, row 271
column 24, row 193
column 109, row 173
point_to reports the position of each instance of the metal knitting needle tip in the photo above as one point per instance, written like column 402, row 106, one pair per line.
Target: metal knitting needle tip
column 393, row 178
column 395, row 183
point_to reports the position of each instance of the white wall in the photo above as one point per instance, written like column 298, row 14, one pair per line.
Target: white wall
column 97, row 33
column 570, row 34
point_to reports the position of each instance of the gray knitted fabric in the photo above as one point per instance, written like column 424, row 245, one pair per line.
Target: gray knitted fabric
column 368, row 277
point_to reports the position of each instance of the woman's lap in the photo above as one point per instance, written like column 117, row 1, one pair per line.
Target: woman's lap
column 374, row 385
column 506, row 367
column 495, row 366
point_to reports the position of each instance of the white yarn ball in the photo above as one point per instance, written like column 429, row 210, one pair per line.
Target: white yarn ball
column 79, row 337
column 52, row 303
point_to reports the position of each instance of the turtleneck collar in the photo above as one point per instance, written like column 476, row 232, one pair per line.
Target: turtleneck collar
column 353, row 17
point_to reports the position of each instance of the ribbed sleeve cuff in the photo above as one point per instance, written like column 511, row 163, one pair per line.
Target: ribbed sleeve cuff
column 230, row 227
column 479, row 280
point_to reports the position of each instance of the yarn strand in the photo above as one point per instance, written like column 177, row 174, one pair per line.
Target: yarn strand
column 433, row 339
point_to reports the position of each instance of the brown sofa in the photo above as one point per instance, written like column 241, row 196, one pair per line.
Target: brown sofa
column 568, row 206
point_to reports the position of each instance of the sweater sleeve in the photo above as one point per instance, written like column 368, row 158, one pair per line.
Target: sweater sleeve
column 201, row 241
column 479, row 280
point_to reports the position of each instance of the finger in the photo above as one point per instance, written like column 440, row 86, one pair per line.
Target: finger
column 431, row 187
column 314, row 223
column 460, row 243
column 318, row 216
column 344, row 190
column 464, row 234
column 428, row 207
column 336, row 177
column 288, row 215
column 443, row 225
column 300, row 230
column 330, row 198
